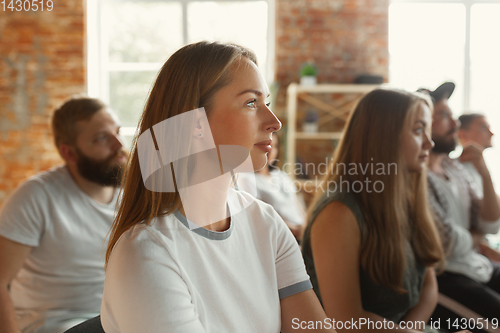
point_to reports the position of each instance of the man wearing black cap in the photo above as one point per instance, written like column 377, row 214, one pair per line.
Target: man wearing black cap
column 463, row 218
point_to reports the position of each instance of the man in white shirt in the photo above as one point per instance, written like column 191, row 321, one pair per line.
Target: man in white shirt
column 463, row 217
column 53, row 228
column 475, row 129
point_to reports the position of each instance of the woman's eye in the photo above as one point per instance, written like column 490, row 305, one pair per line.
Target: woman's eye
column 268, row 104
column 419, row 130
column 252, row 103
column 100, row 138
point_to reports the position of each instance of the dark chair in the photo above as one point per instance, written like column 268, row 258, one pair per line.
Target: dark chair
column 89, row 326
column 452, row 306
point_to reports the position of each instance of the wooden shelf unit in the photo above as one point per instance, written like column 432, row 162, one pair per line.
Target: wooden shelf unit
column 330, row 112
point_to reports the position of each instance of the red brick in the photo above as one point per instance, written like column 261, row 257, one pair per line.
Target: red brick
column 29, row 149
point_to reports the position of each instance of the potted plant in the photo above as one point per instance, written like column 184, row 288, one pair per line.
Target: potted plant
column 307, row 74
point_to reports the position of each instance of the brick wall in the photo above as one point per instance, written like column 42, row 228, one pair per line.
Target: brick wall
column 41, row 64
column 343, row 38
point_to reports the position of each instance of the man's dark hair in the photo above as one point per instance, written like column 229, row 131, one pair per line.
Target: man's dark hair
column 467, row 119
column 65, row 117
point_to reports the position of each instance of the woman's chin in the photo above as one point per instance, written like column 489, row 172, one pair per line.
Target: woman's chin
column 417, row 169
column 259, row 163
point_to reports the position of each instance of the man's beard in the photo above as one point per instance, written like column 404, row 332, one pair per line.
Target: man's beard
column 104, row 172
column 443, row 145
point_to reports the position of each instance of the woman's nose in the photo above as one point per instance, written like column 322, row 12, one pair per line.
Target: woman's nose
column 273, row 124
column 428, row 143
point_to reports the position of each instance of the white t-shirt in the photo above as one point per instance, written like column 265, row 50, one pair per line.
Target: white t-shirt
column 64, row 272
column 167, row 278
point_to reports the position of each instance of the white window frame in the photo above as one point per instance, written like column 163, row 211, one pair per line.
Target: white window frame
column 467, row 60
column 98, row 67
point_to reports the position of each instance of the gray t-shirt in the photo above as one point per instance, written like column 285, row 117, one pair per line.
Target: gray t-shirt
column 64, row 272
column 375, row 298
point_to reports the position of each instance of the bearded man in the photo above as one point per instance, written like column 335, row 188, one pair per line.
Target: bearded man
column 54, row 226
column 463, row 216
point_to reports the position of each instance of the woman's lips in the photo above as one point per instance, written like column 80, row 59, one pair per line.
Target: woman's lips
column 423, row 157
column 265, row 146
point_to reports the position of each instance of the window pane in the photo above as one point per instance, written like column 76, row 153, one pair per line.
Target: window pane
column 242, row 23
column 427, row 47
column 127, row 93
column 141, row 31
column 485, row 70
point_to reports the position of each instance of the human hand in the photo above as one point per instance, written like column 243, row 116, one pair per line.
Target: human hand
column 488, row 252
column 473, row 153
column 477, row 238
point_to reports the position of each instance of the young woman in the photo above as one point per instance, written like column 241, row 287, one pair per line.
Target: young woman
column 175, row 264
column 370, row 245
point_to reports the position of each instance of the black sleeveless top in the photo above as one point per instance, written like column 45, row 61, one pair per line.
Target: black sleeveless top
column 375, row 298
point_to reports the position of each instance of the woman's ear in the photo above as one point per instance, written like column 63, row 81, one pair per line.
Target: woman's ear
column 201, row 124
column 198, row 129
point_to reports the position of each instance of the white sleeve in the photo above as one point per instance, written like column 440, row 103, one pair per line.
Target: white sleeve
column 481, row 225
column 144, row 290
column 290, row 268
column 488, row 227
column 21, row 217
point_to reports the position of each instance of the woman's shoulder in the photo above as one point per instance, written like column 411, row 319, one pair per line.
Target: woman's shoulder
column 346, row 198
column 258, row 215
column 145, row 237
column 337, row 206
column 335, row 211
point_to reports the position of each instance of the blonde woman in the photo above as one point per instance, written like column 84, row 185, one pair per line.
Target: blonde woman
column 173, row 264
column 371, row 246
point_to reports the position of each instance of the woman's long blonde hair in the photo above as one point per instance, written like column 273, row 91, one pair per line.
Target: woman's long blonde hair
column 401, row 211
column 188, row 80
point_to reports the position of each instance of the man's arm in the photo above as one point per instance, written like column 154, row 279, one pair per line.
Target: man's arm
column 490, row 204
column 12, row 256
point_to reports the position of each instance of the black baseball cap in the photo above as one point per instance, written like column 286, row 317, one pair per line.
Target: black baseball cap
column 443, row 91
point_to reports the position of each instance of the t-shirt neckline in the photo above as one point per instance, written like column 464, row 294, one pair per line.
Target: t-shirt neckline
column 209, row 234
column 86, row 197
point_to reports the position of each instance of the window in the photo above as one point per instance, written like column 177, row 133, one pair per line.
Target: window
column 128, row 42
column 434, row 41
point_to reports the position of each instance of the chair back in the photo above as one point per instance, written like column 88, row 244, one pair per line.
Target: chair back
column 92, row 325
